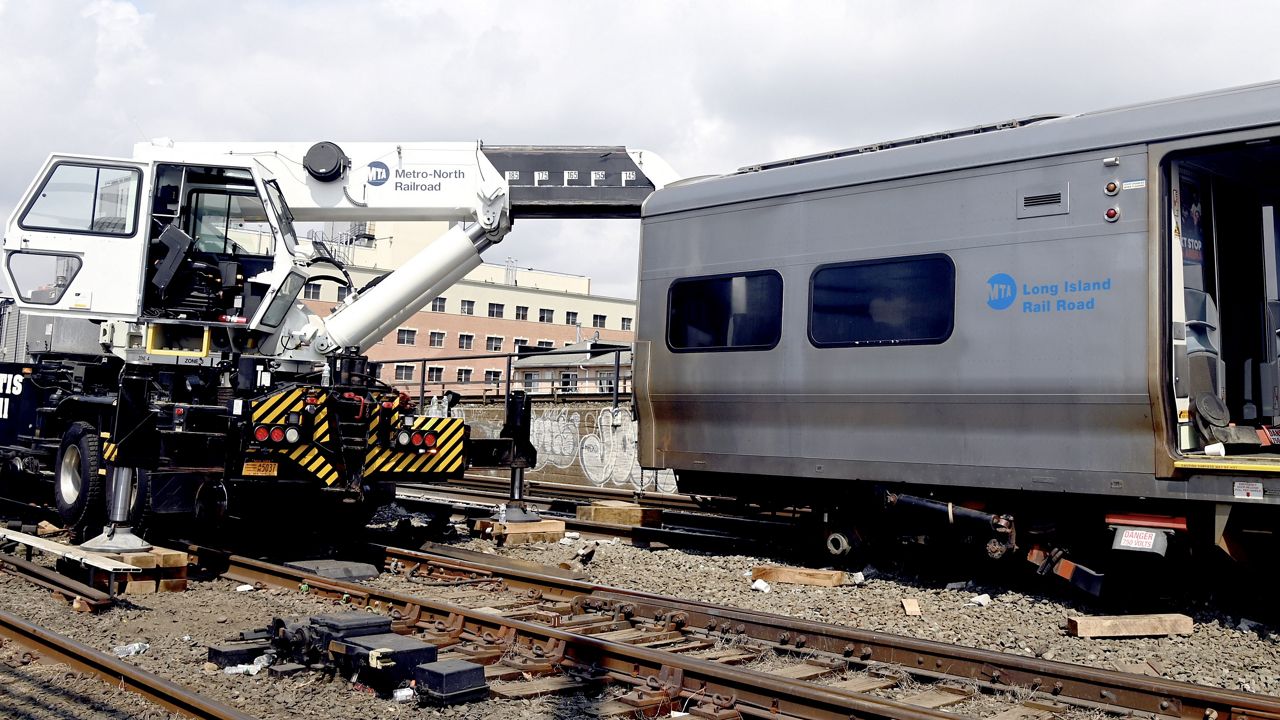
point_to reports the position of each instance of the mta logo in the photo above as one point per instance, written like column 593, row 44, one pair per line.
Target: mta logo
column 1002, row 290
column 378, row 172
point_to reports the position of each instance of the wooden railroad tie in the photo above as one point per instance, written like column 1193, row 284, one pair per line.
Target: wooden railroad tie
column 1129, row 625
column 620, row 512
column 521, row 533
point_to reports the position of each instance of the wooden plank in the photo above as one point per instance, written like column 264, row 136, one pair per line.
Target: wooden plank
column 83, row 557
column 535, row 688
column 802, row 671
column 1129, row 625
column 865, row 683
column 620, row 512
column 167, row 558
column 143, row 560
column 798, row 576
column 939, row 696
column 140, row 587
column 616, row 709
column 172, row 585
column 911, row 607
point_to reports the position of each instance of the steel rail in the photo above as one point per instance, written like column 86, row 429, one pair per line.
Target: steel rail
column 680, row 529
column 1107, row 690
column 115, row 671
column 676, row 678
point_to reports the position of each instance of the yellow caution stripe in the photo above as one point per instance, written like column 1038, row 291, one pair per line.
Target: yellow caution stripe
column 1250, row 467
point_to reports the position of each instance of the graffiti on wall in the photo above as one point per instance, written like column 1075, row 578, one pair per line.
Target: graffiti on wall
column 605, row 448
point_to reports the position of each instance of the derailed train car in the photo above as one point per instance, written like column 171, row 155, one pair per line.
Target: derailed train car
column 1059, row 333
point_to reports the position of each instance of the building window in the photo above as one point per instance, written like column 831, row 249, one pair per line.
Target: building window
column 343, row 292
column 626, row 323
column 568, row 343
column 437, row 339
column 522, row 312
column 546, row 344
column 571, row 318
column 406, row 336
column 468, row 307
column 311, row 291
column 569, row 382
column 464, row 341
column 519, row 343
column 604, row 381
column 597, row 321
column 530, row 380
column 404, row 372
column 496, row 310
column 492, row 377
column 898, row 301
column 546, row 315
column 435, row 373
column 493, row 343
column 464, row 375
column 725, row 312
column 437, row 305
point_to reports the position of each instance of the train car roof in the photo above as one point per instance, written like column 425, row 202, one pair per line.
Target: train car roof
column 1044, row 136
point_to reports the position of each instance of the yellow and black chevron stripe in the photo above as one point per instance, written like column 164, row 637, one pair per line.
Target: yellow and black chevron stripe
column 109, row 451
column 448, row 457
column 275, row 408
column 313, row 460
column 321, row 427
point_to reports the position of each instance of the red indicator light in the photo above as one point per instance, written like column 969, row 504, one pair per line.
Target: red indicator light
column 277, row 434
column 1112, row 214
column 429, row 439
column 234, row 319
column 261, row 433
column 387, row 404
column 179, row 411
column 417, row 439
column 312, row 400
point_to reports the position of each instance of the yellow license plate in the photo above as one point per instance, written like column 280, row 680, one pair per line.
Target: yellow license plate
column 261, row 469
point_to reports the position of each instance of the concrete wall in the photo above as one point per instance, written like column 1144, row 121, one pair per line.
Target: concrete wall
column 582, row 443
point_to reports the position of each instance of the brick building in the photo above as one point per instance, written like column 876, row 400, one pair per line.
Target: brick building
column 458, row 341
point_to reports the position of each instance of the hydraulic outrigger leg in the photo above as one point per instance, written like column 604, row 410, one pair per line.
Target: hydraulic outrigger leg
column 134, row 425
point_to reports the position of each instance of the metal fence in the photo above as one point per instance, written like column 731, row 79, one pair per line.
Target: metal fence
column 614, row 386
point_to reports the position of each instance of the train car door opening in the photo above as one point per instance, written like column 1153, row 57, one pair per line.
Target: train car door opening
column 1225, row 298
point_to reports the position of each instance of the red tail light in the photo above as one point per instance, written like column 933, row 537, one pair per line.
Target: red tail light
column 429, row 439
column 261, row 433
column 417, row 439
column 277, row 434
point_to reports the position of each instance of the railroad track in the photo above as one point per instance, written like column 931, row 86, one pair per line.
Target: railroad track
column 118, row 673
column 724, row 662
column 684, row 522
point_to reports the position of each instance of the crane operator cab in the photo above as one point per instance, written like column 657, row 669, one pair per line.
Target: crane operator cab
column 191, row 250
column 1225, row 300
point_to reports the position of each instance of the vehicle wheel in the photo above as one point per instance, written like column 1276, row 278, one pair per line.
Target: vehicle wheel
column 79, row 490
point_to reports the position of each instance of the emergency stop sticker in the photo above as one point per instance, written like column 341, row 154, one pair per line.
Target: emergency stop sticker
column 1248, row 490
column 1139, row 539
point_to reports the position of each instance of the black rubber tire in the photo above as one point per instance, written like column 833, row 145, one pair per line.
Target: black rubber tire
column 79, row 489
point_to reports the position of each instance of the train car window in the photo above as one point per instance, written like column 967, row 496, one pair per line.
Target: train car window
column 725, row 312
column 893, row 301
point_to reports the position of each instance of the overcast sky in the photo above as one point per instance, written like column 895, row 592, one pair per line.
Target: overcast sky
column 710, row 86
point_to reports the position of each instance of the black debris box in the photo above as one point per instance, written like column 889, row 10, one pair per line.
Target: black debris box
column 449, row 682
column 285, row 669
column 388, row 658
column 343, row 625
column 241, row 653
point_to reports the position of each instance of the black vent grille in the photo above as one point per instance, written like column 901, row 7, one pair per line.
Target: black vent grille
column 1041, row 200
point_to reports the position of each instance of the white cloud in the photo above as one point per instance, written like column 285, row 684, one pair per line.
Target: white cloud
column 709, row 86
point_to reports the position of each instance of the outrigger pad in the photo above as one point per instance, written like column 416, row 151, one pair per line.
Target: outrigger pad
column 335, row 569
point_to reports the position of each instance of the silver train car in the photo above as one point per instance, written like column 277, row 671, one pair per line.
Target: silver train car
column 1059, row 332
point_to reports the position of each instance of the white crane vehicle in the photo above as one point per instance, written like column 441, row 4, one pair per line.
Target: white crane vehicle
column 183, row 377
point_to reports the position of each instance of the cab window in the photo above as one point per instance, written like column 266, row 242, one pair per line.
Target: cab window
column 232, row 224
column 100, row 200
